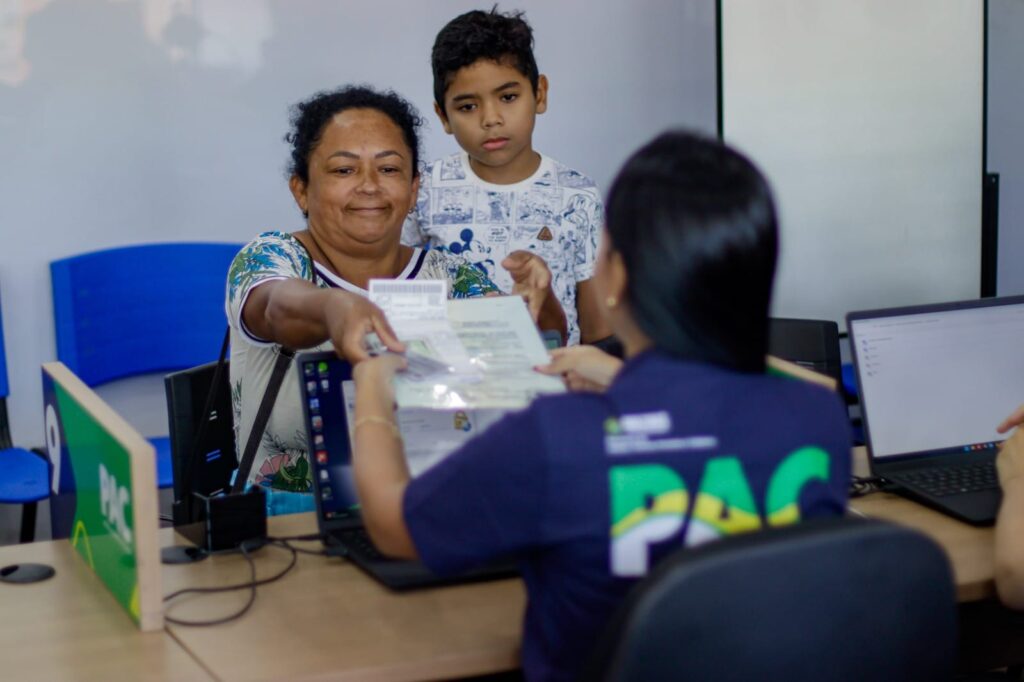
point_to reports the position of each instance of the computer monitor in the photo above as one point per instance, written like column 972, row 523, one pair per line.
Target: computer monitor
column 104, row 493
column 938, row 379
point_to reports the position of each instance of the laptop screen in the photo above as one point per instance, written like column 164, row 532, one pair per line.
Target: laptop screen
column 938, row 379
column 329, row 400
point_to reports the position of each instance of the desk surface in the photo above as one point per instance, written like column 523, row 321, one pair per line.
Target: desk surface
column 970, row 548
column 326, row 619
column 70, row 627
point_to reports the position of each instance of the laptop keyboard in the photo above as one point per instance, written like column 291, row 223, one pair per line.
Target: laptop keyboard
column 944, row 481
column 357, row 540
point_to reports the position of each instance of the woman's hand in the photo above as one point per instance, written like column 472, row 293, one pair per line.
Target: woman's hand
column 1015, row 419
column 584, row 368
column 349, row 318
column 531, row 279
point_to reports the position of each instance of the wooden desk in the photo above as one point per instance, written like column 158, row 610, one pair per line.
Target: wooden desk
column 326, row 619
column 970, row 548
column 70, row 627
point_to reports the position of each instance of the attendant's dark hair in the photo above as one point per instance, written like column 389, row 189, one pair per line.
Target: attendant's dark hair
column 468, row 38
column 694, row 223
column 309, row 118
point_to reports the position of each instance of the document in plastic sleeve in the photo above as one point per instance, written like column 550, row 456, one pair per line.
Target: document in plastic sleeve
column 488, row 347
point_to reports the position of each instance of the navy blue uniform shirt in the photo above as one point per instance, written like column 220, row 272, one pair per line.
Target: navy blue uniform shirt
column 589, row 491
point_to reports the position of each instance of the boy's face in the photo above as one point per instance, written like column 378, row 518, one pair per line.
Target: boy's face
column 490, row 108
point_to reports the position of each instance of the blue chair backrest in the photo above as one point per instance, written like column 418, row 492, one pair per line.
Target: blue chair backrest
column 140, row 309
column 4, row 388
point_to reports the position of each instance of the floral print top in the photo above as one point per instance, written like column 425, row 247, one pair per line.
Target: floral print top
column 282, row 459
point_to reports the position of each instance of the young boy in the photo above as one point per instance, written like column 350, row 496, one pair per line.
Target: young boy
column 499, row 195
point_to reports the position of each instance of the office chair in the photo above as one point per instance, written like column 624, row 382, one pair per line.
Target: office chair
column 138, row 310
column 24, row 475
column 826, row 600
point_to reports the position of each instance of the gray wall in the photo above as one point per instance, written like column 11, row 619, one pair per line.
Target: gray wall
column 152, row 120
column 1006, row 135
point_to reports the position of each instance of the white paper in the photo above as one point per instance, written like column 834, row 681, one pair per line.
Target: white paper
column 496, row 347
column 428, row 435
column 488, row 347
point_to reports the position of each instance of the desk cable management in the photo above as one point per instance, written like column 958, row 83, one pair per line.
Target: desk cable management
column 246, row 548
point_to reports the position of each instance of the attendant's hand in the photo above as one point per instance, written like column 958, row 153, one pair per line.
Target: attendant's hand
column 349, row 318
column 584, row 368
column 377, row 374
column 1015, row 419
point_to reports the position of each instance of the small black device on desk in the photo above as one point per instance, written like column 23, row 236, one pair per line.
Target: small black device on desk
column 934, row 381
column 323, row 377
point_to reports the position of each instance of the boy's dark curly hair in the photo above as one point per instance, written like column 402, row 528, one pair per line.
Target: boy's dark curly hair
column 470, row 37
column 310, row 117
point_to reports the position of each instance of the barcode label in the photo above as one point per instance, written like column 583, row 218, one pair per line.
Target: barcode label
column 435, row 288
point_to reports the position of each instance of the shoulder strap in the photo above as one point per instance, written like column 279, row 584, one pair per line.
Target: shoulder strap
column 259, row 425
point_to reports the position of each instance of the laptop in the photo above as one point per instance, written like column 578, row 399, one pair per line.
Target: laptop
column 934, row 382
column 327, row 398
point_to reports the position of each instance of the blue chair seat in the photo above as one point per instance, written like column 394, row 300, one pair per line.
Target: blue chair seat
column 24, row 477
column 164, row 469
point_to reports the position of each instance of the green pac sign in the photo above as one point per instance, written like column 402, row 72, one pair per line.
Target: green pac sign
column 104, row 493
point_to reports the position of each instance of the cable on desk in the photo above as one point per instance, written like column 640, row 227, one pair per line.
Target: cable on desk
column 308, row 537
column 865, row 485
column 284, row 542
column 251, row 585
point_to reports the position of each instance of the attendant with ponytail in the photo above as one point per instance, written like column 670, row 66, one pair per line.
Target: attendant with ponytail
column 691, row 440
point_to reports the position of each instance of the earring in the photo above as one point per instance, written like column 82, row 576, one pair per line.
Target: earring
column 611, row 301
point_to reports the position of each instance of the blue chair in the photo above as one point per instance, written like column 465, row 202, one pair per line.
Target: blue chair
column 24, row 475
column 138, row 310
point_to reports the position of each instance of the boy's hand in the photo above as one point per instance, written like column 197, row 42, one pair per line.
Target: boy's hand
column 531, row 277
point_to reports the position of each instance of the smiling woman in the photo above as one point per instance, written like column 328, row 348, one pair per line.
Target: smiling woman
column 354, row 176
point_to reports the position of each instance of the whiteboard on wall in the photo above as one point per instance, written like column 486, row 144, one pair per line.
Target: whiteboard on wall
column 866, row 117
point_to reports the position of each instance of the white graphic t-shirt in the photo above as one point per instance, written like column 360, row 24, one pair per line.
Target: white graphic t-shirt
column 555, row 213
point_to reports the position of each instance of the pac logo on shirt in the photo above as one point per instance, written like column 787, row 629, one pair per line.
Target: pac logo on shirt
column 650, row 502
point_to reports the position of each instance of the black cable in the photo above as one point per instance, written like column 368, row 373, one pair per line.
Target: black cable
column 300, row 550
column 251, row 585
column 865, row 485
column 286, row 538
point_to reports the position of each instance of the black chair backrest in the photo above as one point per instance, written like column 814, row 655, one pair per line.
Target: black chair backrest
column 215, row 458
column 825, row 600
column 811, row 343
